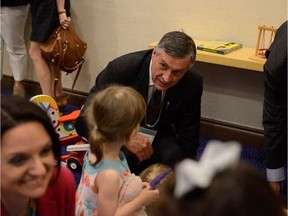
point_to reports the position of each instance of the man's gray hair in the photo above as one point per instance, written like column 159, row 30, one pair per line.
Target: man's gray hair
column 177, row 44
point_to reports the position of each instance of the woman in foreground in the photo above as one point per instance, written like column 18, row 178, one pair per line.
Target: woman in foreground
column 32, row 180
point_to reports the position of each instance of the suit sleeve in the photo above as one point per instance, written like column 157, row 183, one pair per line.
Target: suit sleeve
column 188, row 121
column 103, row 79
column 123, row 71
column 275, row 101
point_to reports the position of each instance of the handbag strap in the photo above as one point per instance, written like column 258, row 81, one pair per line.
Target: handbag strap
column 57, row 68
column 76, row 76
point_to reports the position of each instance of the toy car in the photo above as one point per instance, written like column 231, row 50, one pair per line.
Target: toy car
column 74, row 159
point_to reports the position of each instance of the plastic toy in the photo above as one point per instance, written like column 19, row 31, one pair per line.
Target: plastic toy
column 75, row 157
column 64, row 125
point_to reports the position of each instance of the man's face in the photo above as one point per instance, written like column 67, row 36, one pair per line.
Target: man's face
column 168, row 70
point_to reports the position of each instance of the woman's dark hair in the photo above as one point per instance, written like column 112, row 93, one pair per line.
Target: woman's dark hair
column 16, row 111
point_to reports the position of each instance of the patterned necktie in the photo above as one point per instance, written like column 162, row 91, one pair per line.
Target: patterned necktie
column 153, row 108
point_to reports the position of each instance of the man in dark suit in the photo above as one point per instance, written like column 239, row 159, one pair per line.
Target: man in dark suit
column 168, row 68
column 275, row 109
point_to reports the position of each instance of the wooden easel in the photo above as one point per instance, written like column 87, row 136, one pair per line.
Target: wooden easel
column 262, row 44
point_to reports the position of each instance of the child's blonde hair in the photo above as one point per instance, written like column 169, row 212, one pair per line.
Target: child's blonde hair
column 148, row 175
column 113, row 114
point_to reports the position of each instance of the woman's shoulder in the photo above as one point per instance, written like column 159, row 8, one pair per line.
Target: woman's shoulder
column 64, row 178
column 62, row 182
column 60, row 194
column 66, row 174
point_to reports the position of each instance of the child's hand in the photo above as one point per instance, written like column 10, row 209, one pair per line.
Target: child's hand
column 148, row 196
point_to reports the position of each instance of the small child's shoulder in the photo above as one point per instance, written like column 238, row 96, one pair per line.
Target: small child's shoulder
column 109, row 175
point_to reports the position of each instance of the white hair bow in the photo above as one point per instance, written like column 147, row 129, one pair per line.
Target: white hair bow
column 215, row 158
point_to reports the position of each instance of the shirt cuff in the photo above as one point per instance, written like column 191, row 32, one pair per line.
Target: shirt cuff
column 275, row 175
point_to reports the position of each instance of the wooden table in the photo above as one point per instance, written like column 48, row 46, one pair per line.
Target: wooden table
column 243, row 58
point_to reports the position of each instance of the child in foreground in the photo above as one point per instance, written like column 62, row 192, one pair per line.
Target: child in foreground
column 218, row 185
column 161, row 176
column 107, row 186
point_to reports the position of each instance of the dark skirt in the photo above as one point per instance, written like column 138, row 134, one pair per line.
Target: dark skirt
column 45, row 18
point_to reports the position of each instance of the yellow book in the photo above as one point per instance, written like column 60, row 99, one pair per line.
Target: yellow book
column 219, row 46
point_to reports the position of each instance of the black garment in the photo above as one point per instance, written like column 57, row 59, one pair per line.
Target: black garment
column 154, row 108
column 179, row 123
column 45, row 18
column 12, row 3
column 166, row 151
column 275, row 101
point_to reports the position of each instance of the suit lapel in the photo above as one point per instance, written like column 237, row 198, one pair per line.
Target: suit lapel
column 142, row 80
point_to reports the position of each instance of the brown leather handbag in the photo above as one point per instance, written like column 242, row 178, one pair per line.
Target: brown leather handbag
column 65, row 51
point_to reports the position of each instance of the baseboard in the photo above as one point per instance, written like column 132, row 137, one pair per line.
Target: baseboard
column 227, row 131
column 209, row 127
column 77, row 98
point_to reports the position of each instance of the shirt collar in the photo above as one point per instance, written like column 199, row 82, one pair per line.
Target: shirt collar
column 151, row 83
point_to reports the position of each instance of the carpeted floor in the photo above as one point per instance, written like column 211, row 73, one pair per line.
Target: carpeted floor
column 253, row 156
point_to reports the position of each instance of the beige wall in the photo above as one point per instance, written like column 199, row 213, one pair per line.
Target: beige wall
column 116, row 27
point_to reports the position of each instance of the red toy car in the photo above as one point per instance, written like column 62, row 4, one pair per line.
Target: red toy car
column 75, row 157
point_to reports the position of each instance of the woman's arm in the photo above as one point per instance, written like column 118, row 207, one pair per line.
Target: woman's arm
column 63, row 19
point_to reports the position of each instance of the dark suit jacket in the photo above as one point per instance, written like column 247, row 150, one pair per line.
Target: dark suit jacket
column 182, row 103
column 275, row 101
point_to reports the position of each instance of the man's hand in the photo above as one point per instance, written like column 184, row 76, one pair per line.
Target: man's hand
column 275, row 187
column 140, row 146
